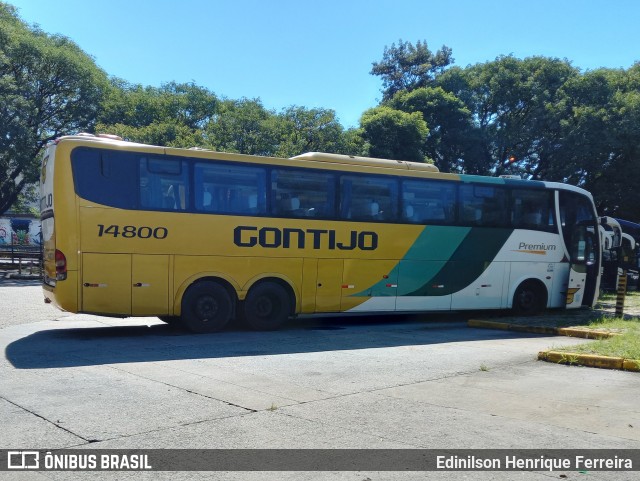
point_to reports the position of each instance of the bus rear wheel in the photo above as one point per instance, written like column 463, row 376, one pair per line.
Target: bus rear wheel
column 267, row 306
column 206, row 307
column 530, row 298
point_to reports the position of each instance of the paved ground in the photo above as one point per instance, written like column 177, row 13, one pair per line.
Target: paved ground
column 428, row 382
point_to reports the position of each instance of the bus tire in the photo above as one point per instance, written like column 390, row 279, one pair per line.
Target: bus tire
column 267, row 306
column 530, row 298
column 206, row 307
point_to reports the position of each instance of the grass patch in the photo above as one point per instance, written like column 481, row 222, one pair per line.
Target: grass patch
column 625, row 345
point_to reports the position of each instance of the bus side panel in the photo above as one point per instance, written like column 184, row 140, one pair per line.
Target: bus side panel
column 309, row 285
column 329, row 285
column 369, row 285
column 486, row 291
column 417, row 292
column 150, row 285
column 106, row 283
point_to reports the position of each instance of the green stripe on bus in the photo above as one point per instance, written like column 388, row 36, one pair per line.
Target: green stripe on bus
column 474, row 254
column 457, row 257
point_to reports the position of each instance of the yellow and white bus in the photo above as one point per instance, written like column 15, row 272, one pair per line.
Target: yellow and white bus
column 206, row 238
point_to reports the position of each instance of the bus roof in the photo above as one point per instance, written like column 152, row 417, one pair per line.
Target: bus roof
column 323, row 157
column 370, row 161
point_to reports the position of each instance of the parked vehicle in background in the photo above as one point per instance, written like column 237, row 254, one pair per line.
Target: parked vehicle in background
column 630, row 254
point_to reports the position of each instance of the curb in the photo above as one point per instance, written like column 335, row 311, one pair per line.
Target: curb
column 554, row 331
column 590, row 360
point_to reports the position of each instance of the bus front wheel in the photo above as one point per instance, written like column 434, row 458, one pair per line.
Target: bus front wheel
column 530, row 298
column 267, row 306
column 206, row 307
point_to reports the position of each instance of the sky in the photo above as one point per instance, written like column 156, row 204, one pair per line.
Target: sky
column 318, row 54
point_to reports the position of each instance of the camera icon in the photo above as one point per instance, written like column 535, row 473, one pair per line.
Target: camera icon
column 23, row 459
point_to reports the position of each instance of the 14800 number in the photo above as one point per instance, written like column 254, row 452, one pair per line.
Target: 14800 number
column 130, row 231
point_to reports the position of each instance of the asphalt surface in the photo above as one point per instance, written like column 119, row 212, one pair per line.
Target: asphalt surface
column 370, row 383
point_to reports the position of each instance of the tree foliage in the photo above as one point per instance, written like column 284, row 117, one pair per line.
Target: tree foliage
column 394, row 134
column 449, row 121
column 172, row 115
column 407, row 67
column 308, row 130
column 538, row 117
column 242, row 126
column 48, row 87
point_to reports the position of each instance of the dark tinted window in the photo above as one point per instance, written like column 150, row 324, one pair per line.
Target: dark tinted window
column 366, row 198
column 106, row 177
column 532, row 209
column 483, row 205
column 164, row 184
column 302, row 193
column 230, row 189
column 575, row 209
column 428, row 202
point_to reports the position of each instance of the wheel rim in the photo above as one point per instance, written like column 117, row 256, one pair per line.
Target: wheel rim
column 527, row 299
column 264, row 306
column 207, row 308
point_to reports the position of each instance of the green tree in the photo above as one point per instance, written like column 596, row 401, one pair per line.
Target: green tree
column 309, row 130
column 601, row 147
column 393, row 134
column 515, row 111
column 48, row 87
column 172, row 115
column 407, row 67
column 242, row 126
column 449, row 120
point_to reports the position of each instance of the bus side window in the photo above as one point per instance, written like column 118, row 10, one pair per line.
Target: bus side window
column 229, row 189
column 428, row 202
column 367, row 198
column 532, row 209
column 302, row 193
column 483, row 205
column 163, row 184
column 106, row 177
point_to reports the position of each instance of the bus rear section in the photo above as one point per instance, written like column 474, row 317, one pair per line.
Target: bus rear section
column 59, row 228
column 47, row 219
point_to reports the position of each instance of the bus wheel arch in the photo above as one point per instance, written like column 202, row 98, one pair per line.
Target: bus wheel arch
column 208, row 305
column 530, row 297
column 268, row 304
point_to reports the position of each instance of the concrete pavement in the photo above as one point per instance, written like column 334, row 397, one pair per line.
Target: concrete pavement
column 429, row 382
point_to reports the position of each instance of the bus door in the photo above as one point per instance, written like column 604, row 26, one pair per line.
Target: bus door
column 584, row 269
column 579, row 228
column 125, row 284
